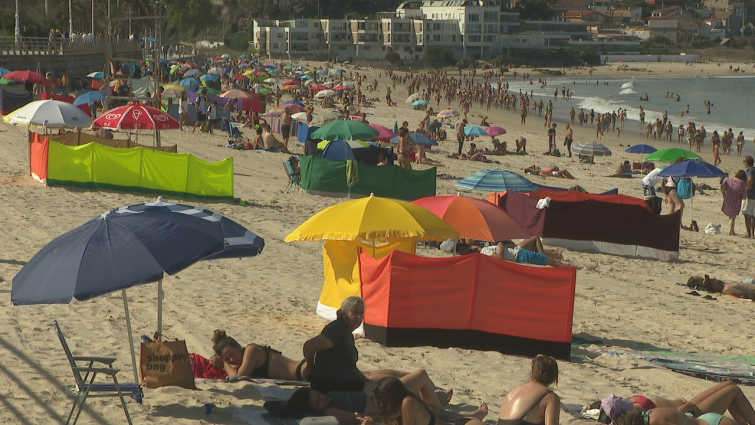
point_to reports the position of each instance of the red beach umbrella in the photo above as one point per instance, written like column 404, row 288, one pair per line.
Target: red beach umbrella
column 386, row 134
column 136, row 117
column 27, row 76
column 292, row 83
column 474, row 218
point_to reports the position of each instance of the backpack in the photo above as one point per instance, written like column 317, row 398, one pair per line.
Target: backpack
column 684, row 189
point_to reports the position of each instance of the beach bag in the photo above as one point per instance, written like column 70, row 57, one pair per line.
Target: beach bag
column 684, row 189
column 166, row 364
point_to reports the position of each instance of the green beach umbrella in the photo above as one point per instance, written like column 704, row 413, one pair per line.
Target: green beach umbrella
column 671, row 155
column 345, row 130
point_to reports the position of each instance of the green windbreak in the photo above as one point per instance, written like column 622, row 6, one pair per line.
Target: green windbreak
column 139, row 169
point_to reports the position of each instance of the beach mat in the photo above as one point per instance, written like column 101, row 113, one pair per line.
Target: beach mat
column 255, row 380
column 740, row 369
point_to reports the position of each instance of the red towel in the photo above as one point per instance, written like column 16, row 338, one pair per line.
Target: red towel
column 204, row 369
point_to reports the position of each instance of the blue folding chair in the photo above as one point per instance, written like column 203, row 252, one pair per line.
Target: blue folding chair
column 86, row 387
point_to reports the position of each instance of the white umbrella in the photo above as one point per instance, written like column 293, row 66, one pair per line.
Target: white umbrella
column 271, row 81
column 412, row 98
column 49, row 113
column 301, row 116
column 215, row 71
column 325, row 93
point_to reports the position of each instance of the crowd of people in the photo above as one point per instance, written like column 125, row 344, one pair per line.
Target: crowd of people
column 339, row 389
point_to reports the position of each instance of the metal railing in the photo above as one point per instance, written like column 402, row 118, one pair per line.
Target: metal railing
column 43, row 46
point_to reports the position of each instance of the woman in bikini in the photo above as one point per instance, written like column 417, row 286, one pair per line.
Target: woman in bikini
column 254, row 360
column 533, row 403
column 403, row 149
column 622, row 412
column 717, row 399
column 344, row 405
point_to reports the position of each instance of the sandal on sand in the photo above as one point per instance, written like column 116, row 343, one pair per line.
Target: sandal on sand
column 693, row 293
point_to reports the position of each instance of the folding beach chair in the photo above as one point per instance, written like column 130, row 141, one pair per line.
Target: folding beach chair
column 293, row 179
column 85, row 386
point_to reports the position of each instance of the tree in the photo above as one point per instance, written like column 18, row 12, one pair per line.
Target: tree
column 190, row 17
column 439, row 54
column 392, row 57
column 534, row 10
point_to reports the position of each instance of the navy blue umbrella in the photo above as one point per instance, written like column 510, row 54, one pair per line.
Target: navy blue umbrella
column 239, row 242
column 691, row 169
column 114, row 252
column 643, row 149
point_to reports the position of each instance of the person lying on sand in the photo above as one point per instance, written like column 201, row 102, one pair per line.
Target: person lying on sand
column 744, row 289
column 553, row 171
column 257, row 361
column 345, row 406
column 471, row 154
column 521, row 255
column 716, row 399
column 533, row 402
column 622, row 412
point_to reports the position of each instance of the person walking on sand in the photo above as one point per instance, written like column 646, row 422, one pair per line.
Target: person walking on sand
column 523, row 112
column 740, row 143
column 748, row 205
column 568, row 139
column 460, row 135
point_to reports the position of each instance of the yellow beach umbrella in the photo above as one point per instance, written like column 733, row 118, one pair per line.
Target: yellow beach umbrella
column 373, row 218
column 249, row 72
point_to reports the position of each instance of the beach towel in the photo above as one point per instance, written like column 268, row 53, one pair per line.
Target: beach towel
column 204, row 369
column 352, row 172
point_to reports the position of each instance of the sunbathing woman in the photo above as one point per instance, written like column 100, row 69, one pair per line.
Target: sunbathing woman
column 623, row 414
column 715, row 400
column 258, row 361
column 744, row 289
column 254, row 360
column 533, row 403
column 344, row 405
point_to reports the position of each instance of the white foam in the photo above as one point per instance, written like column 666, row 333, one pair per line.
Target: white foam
column 628, row 85
column 627, row 91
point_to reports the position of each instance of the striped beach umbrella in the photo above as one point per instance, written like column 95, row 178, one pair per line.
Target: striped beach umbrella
column 496, row 180
column 591, row 148
column 447, row 113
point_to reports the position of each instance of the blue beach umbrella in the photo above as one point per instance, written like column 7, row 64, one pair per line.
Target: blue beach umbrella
column 191, row 84
column 420, row 139
column 208, row 78
column 643, row 149
column 115, row 252
column 474, row 130
column 420, row 103
column 4, row 71
column 691, row 168
column 193, row 73
column 97, row 75
column 90, row 97
column 321, row 72
column 496, row 181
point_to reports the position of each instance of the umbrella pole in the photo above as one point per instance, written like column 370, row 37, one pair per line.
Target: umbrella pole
column 160, row 294
column 130, row 336
column 373, row 248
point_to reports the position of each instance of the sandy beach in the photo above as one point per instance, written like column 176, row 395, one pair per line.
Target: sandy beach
column 271, row 299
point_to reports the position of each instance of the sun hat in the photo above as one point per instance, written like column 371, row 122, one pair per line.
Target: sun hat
column 614, row 406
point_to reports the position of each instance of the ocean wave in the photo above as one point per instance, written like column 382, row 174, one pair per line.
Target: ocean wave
column 628, row 85
column 627, row 91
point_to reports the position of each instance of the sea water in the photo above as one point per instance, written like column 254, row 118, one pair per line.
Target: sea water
column 731, row 97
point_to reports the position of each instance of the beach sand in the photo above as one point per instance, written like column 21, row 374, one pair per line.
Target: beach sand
column 271, row 299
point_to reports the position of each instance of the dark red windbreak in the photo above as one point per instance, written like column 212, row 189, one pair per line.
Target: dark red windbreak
column 594, row 221
column 472, row 292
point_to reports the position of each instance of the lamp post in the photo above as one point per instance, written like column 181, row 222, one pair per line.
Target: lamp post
column 70, row 19
column 17, row 33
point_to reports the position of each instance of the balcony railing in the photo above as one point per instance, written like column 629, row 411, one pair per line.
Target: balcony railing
column 43, row 46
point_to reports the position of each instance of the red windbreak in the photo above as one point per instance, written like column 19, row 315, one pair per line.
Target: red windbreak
column 473, row 292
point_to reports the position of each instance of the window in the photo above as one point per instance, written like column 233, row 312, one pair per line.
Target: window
column 276, row 45
column 491, row 16
column 491, row 28
column 401, row 38
column 490, row 39
column 437, row 38
column 316, row 25
column 474, row 38
column 473, row 17
column 341, row 47
column 280, row 35
column 400, row 27
column 366, row 48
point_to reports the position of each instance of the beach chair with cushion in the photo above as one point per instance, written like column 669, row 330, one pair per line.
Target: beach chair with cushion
column 293, row 179
column 85, row 376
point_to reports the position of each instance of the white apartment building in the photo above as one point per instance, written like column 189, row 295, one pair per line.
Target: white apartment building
column 469, row 28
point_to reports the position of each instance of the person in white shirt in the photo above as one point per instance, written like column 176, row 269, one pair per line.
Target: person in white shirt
column 183, row 110
column 212, row 116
